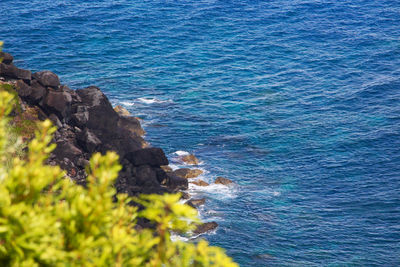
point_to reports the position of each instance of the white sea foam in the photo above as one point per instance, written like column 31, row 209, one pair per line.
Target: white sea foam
column 127, row 103
column 181, row 153
column 153, row 100
column 173, row 166
column 218, row 191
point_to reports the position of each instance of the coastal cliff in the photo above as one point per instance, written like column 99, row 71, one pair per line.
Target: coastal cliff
column 87, row 123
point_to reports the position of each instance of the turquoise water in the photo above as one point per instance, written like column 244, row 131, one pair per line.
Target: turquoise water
column 296, row 101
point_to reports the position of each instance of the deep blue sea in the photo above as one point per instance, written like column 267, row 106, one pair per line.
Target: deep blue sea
column 296, row 101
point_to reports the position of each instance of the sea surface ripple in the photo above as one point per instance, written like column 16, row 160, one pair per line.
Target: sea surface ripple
column 296, row 101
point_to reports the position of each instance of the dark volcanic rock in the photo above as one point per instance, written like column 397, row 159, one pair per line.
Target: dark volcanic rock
column 38, row 92
column 33, row 93
column 88, row 140
column 10, row 71
column 58, row 102
column 131, row 124
column 223, row 180
column 47, row 78
column 205, row 227
column 6, row 57
column 176, row 183
column 152, row 156
column 23, row 89
column 102, row 116
column 146, row 176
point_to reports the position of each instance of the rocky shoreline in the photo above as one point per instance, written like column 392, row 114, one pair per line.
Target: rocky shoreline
column 87, row 123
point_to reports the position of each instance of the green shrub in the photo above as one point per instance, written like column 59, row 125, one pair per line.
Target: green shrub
column 47, row 220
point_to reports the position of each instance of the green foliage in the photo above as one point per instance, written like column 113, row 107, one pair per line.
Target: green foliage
column 47, row 220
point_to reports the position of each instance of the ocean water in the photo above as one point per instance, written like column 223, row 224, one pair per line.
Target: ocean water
column 298, row 102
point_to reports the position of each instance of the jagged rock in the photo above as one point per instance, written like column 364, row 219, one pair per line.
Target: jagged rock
column 102, row 116
column 200, row 183
column 58, row 102
column 122, row 111
column 131, row 124
column 190, row 159
column 205, row 227
column 223, row 180
column 187, row 173
column 11, row 71
column 152, row 156
column 55, row 120
column 6, row 57
column 196, row 202
column 80, row 117
column 176, row 183
column 47, row 78
column 66, row 149
column 88, row 140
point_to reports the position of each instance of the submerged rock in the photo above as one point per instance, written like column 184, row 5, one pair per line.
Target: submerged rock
column 196, row 202
column 223, row 180
column 188, row 173
column 205, row 227
column 190, row 159
column 200, row 183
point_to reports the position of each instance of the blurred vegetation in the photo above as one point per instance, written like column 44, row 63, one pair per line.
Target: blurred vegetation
column 47, row 220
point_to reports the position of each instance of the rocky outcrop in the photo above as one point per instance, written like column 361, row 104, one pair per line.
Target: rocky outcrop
column 190, row 159
column 223, row 180
column 187, row 173
column 205, row 227
column 87, row 123
column 200, row 183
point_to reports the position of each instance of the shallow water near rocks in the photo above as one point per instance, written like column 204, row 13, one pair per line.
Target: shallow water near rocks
column 296, row 101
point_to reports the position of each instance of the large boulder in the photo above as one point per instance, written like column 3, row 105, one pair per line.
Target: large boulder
column 11, row 71
column 47, row 78
column 58, row 102
column 102, row 117
column 176, row 183
column 23, row 89
column 187, row 173
column 31, row 94
column 6, row 58
column 152, row 156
